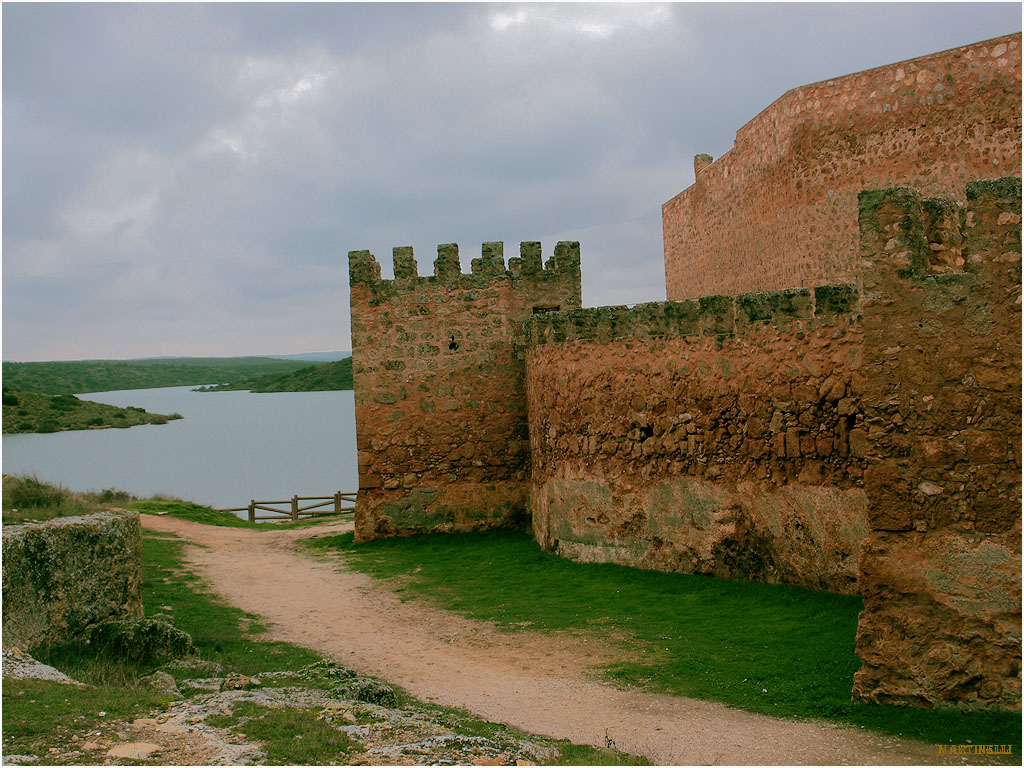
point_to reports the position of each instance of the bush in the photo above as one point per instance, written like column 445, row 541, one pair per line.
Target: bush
column 28, row 492
column 150, row 640
column 114, row 495
column 373, row 692
column 11, row 400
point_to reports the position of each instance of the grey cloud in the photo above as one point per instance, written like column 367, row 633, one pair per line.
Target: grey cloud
column 183, row 178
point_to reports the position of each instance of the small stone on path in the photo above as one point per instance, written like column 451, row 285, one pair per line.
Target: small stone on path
column 136, row 750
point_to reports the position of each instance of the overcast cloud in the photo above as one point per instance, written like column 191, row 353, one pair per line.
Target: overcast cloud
column 186, row 179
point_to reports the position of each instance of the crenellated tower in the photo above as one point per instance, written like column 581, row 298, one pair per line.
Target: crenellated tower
column 439, row 373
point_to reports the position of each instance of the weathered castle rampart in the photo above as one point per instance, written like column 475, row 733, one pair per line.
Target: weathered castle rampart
column 941, row 569
column 779, row 210
column 439, row 376
column 859, row 432
column 719, row 436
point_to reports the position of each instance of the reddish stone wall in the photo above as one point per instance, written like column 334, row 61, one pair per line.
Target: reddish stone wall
column 719, row 436
column 779, row 210
column 941, row 571
column 438, row 372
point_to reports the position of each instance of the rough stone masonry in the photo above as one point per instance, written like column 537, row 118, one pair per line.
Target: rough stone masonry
column 437, row 365
column 861, row 435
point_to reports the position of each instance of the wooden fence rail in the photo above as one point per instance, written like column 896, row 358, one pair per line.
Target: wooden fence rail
column 335, row 506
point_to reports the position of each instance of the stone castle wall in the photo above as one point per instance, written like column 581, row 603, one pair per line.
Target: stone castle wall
column 941, row 378
column 858, row 431
column 721, row 436
column 779, row 210
column 438, row 369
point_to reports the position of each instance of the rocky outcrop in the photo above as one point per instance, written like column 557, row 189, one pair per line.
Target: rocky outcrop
column 64, row 577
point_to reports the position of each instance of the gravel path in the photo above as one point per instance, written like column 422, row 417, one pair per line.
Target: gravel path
column 532, row 681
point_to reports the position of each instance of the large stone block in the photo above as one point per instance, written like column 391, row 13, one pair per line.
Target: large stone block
column 65, row 576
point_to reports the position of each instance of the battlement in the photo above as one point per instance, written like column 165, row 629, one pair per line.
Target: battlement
column 439, row 373
column 797, row 308
column 563, row 263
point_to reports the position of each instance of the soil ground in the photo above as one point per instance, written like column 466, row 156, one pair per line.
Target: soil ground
column 539, row 683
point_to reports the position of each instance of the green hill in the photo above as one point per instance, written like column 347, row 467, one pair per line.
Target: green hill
column 75, row 376
column 315, row 378
column 35, row 412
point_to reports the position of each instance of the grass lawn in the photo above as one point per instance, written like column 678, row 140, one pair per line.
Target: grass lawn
column 777, row 650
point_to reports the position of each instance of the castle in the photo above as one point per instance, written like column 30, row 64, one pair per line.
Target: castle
column 829, row 398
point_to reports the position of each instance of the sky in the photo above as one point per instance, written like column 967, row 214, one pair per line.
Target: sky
column 187, row 179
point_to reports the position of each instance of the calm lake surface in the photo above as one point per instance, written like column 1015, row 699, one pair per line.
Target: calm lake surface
column 229, row 448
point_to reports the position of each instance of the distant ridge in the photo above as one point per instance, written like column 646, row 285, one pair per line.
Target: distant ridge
column 335, row 375
column 316, row 357
column 78, row 376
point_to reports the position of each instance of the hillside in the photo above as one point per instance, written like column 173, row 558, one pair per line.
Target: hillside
column 77, row 376
column 35, row 412
column 314, row 378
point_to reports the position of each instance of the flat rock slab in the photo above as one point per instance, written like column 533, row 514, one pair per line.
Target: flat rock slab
column 137, row 750
column 21, row 666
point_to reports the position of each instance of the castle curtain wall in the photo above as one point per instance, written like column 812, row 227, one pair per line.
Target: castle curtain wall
column 779, row 210
column 858, row 432
column 721, row 436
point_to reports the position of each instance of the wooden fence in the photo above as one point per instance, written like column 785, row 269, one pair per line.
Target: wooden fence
column 295, row 509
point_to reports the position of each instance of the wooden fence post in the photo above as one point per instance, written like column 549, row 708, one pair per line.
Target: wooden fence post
column 295, row 509
column 337, row 502
column 252, row 511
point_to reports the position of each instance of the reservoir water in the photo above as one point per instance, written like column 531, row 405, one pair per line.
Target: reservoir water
column 229, row 447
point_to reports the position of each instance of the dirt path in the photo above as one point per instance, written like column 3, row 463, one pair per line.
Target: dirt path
column 532, row 681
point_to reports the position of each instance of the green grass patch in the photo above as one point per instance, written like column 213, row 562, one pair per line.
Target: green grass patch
column 772, row 649
column 36, row 412
column 38, row 712
column 186, row 510
column 295, row 736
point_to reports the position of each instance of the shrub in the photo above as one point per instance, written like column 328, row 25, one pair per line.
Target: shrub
column 114, row 495
column 150, row 640
column 373, row 692
column 11, row 399
column 28, row 492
